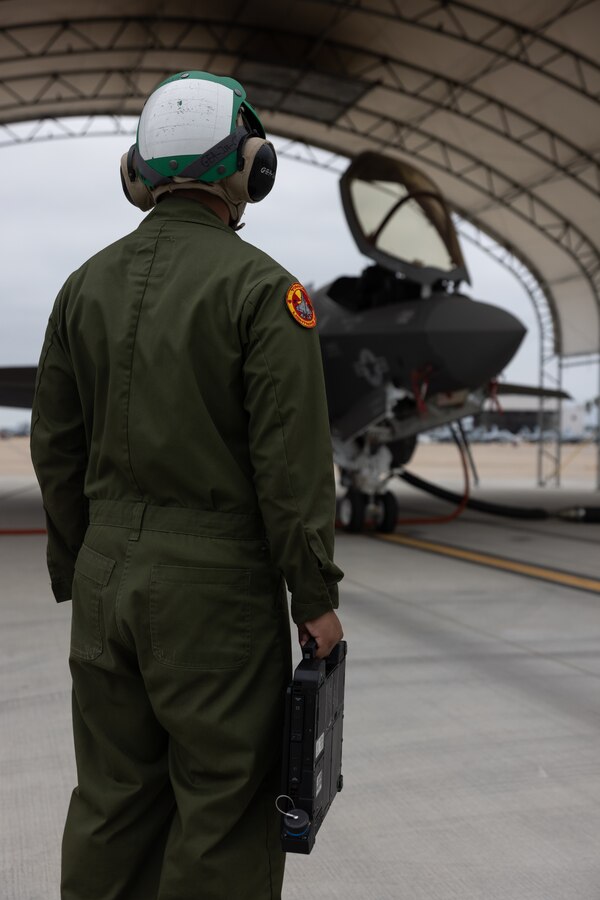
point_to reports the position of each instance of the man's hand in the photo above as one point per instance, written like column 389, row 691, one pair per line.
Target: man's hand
column 326, row 630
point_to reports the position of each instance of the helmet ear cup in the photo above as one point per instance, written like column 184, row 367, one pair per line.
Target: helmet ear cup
column 262, row 163
column 133, row 187
column 256, row 176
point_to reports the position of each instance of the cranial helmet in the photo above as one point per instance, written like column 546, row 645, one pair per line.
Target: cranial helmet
column 198, row 130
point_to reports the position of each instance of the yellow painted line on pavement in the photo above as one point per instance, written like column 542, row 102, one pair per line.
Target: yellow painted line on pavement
column 555, row 576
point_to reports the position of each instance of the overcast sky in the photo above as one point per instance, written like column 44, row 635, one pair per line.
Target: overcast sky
column 62, row 201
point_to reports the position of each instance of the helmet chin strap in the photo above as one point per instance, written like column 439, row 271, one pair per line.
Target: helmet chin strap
column 236, row 207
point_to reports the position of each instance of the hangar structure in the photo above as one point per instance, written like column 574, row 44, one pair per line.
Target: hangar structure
column 496, row 101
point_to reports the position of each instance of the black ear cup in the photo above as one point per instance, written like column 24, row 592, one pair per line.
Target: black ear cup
column 261, row 177
column 257, row 166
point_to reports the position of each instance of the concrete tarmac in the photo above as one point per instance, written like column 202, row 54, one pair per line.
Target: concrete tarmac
column 472, row 729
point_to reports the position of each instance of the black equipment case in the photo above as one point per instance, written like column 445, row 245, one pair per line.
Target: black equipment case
column 312, row 745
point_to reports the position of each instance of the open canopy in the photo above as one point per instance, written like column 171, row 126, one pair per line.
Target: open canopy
column 497, row 102
column 398, row 217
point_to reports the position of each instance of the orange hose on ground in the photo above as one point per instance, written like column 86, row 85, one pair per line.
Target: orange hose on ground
column 440, row 520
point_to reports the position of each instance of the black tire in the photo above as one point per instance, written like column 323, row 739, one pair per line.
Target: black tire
column 387, row 512
column 351, row 511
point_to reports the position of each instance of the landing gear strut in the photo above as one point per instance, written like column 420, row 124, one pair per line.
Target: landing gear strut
column 368, row 469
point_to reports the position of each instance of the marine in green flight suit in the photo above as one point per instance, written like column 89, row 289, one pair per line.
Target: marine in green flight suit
column 180, row 437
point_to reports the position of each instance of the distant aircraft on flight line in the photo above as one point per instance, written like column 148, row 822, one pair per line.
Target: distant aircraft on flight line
column 403, row 350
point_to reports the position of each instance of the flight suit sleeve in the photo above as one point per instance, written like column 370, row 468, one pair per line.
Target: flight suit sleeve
column 59, row 455
column 290, row 447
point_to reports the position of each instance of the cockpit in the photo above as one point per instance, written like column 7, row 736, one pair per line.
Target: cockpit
column 399, row 218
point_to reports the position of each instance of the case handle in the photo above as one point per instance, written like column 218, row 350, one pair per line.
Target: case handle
column 309, row 650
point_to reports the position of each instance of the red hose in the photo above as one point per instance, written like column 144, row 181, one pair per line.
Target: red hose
column 440, row 520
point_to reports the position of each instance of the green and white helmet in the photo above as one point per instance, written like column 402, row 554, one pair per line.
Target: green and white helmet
column 198, row 129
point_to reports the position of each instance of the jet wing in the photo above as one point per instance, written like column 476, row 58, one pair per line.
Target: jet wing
column 529, row 390
column 17, row 385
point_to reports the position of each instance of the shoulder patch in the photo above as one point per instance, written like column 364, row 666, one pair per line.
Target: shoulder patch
column 300, row 307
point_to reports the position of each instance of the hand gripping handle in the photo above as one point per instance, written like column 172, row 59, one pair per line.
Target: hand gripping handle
column 309, row 650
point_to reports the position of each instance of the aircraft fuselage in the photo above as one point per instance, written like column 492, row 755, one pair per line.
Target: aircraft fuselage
column 444, row 343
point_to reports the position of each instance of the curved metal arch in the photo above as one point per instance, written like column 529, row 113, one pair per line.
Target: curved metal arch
column 53, row 129
column 127, row 77
column 523, row 39
column 505, row 112
column 565, row 228
column 533, row 128
column 581, row 161
column 63, row 78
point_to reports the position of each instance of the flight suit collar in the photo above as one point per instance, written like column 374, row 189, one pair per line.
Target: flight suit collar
column 182, row 209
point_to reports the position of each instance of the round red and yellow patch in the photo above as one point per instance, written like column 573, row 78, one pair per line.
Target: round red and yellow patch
column 300, row 307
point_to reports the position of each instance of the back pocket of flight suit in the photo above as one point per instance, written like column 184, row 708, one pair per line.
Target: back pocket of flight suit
column 92, row 574
column 200, row 618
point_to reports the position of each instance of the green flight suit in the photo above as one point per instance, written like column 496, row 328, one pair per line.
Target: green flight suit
column 180, row 437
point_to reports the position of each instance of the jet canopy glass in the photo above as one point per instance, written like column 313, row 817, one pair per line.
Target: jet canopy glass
column 399, row 218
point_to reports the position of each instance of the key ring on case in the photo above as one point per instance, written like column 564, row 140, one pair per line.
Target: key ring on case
column 287, row 814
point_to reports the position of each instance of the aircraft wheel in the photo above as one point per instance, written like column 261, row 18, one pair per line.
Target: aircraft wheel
column 352, row 510
column 387, row 508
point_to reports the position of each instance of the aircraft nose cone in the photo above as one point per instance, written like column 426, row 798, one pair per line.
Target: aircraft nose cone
column 473, row 340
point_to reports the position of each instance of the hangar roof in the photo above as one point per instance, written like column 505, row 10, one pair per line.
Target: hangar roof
column 496, row 101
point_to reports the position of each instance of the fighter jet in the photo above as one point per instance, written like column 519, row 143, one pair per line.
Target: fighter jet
column 403, row 350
